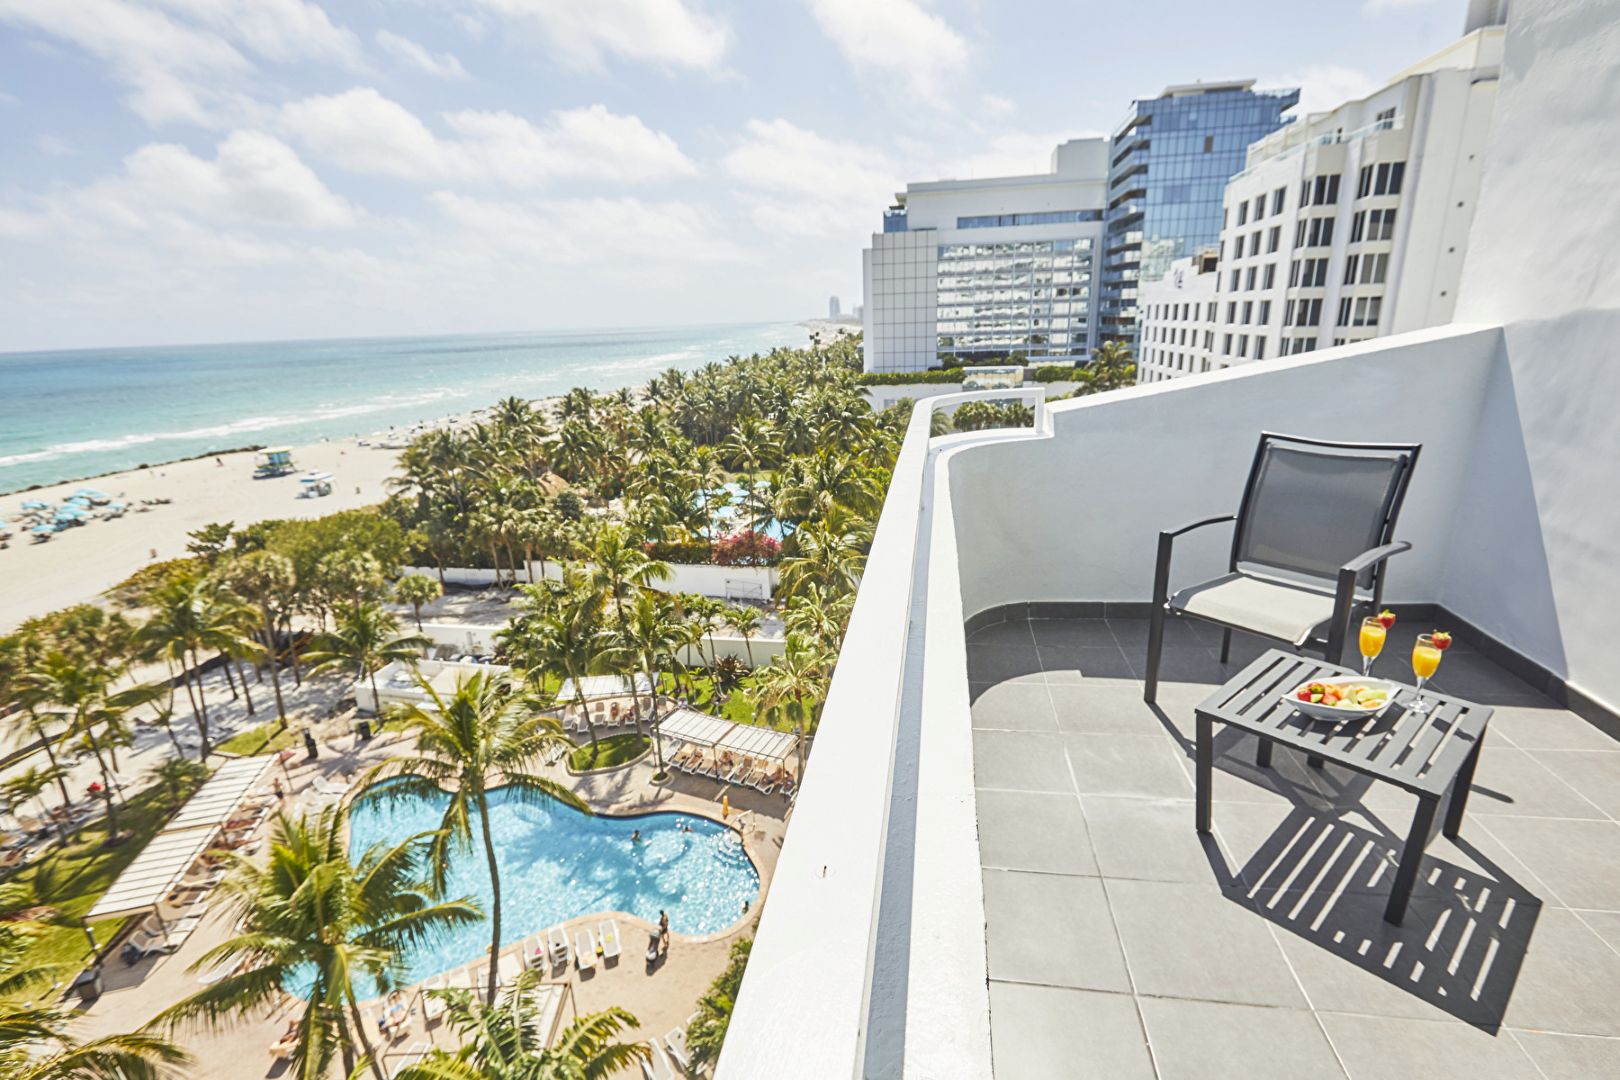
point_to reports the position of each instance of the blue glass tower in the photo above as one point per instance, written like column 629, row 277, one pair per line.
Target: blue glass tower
column 1170, row 161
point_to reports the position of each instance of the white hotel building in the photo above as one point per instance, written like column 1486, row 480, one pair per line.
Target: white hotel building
column 1348, row 226
column 989, row 271
column 1178, row 329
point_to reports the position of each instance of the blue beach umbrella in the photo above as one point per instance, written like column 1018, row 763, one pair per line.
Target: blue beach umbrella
column 34, row 504
column 43, row 529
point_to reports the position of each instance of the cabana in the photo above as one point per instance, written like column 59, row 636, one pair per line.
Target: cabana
column 601, row 687
column 753, row 756
column 157, row 870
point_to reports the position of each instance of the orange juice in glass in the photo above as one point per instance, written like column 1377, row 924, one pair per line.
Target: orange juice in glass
column 1372, row 643
column 1425, row 660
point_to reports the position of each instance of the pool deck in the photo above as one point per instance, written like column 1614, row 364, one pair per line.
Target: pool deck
column 661, row 997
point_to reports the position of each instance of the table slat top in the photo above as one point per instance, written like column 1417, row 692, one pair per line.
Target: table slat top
column 1420, row 752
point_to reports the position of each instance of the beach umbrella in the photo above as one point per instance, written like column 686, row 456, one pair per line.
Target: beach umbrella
column 43, row 528
column 117, row 506
column 34, row 504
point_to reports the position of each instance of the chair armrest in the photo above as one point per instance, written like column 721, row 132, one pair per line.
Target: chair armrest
column 1161, row 569
column 1344, row 596
column 1198, row 525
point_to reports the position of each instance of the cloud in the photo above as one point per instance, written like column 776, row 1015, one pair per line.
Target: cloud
column 591, row 230
column 179, row 56
column 670, row 33
column 1326, row 86
column 778, row 155
column 444, row 66
column 1379, row 7
column 894, row 38
column 253, row 180
column 365, row 132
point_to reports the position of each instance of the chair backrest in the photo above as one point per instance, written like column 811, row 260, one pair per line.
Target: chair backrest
column 1310, row 506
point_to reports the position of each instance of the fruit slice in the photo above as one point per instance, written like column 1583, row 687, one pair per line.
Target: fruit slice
column 1386, row 618
column 1441, row 639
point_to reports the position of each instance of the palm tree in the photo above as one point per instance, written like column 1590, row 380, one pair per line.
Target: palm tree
column 822, row 559
column 745, row 620
column 796, row 681
column 506, row 1042
column 566, row 642
column 318, row 928
column 619, row 566
column 480, row 737
column 31, row 783
column 186, row 619
column 75, row 691
column 19, row 653
column 366, row 640
column 265, row 579
column 1111, row 367
column 647, row 642
column 707, row 1031
column 34, row 1039
column 416, row 590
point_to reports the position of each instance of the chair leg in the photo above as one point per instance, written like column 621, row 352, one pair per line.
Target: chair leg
column 1226, row 645
column 1150, row 685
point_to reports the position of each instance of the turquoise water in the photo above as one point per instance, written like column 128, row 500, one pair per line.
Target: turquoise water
column 84, row 412
column 557, row 863
column 734, row 495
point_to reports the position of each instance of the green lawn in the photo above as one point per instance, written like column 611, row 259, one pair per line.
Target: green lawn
column 266, row 738
column 72, row 878
column 612, row 751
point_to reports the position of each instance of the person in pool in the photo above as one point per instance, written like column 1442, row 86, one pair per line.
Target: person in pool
column 635, row 837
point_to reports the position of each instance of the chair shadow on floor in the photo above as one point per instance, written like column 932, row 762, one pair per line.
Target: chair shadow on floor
column 1325, row 878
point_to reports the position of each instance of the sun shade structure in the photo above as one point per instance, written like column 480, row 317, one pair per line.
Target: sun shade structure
column 154, row 873
column 596, row 687
column 158, row 869
column 217, row 800
column 757, row 742
column 699, row 729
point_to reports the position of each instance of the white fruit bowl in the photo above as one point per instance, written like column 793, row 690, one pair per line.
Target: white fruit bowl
column 1318, row 711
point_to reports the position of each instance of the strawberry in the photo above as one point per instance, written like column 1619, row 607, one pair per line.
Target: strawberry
column 1386, row 618
column 1441, row 639
column 1304, row 695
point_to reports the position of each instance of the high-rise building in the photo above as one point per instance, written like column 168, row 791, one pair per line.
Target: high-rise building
column 1353, row 223
column 1170, row 161
column 988, row 271
column 1178, row 319
column 833, row 310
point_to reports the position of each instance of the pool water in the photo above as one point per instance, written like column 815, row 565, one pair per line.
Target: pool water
column 557, row 863
column 732, row 495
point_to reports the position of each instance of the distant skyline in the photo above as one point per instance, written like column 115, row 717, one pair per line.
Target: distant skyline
column 180, row 171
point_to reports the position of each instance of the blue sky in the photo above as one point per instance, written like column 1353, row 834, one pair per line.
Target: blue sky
column 210, row 170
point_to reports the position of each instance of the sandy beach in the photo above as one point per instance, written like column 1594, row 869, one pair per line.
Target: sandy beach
column 80, row 563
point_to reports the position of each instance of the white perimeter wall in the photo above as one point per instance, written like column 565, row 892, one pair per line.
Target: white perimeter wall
column 1544, row 260
column 733, row 582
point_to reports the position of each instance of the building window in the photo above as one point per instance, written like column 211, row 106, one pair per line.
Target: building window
column 1254, row 242
column 1278, row 197
column 1209, row 311
column 1381, row 224
column 1382, row 179
column 1344, row 312
column 1248, row 280
column 1235, row 274
column 1307, row 312
column 1373, row 269
column 1270, row 277
column 1319, row 190
column 1248, row 311
column 1350, row 271
column 1385, row 121
column 1231, row 311
column 1209, row 144
column 1299, row 232
column 1367, row 310
column 1209, row 339
column 1243, row 345
column 1273, row 238
column 1259, row 348
column 1265, row 311
column 1320, row 233
column 1243, row 213
column 1226, row 344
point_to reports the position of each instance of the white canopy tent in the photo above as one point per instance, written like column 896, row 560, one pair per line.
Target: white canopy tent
column 156, row 871
column 756, row 742
column 218, row 798
column 691, row 726
column 597, row 687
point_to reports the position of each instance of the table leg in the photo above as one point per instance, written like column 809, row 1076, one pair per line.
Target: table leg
column 1459, row 790
column 1203, row 762
column 1313, row 761
column 1262, row 753
column 1411, row 855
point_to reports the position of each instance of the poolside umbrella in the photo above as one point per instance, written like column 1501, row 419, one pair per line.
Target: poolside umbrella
column 34, row 504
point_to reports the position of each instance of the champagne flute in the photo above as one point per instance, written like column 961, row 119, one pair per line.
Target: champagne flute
column 1372, row 643
column 1425, row 659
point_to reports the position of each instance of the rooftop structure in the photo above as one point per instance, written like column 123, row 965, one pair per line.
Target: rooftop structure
column 988, row 271
column 993, row 868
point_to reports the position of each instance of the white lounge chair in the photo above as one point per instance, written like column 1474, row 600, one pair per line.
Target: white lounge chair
column 509, row 967
column 660, row 1069
column 432, row 1004
column 534, row 953
column 608, row 930
column 559, row 946
column 585, row 949
column 676, row 1041
column 460, row 979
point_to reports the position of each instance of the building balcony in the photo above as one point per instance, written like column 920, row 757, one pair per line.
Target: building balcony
column 993, row 868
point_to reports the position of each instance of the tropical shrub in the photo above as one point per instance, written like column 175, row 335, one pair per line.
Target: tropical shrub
column 747, row 548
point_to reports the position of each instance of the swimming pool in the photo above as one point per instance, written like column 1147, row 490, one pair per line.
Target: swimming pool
column 557, row 863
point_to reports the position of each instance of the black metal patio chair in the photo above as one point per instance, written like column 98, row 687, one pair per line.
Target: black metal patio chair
column 1310, row 541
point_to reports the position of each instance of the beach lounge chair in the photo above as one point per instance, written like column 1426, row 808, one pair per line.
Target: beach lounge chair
column 460, row 979
column 676, row 1041
column 659, row 1068
column 534, row 953
column 585, row 949
column 559, row 946
column 432, row 1004
column 413, row 1056
column 608, row 931
column 509, row 967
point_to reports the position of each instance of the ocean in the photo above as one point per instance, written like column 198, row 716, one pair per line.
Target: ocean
column 84, row 412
